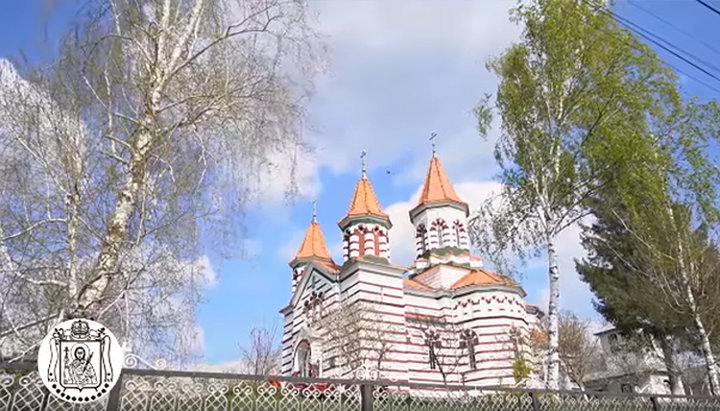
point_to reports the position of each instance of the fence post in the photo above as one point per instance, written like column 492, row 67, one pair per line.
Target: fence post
column 535, row 401
column 113, row 403
column 655, row 404
column 366, row 397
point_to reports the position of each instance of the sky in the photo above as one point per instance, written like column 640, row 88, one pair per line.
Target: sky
column 398, row 71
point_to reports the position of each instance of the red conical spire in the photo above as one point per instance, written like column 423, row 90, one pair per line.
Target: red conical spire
column 437, row 186
column 313, row 245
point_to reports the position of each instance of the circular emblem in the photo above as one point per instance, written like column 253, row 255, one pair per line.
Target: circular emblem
column 80, row 361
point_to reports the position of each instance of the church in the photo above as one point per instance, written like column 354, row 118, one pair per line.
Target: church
column 444, row 319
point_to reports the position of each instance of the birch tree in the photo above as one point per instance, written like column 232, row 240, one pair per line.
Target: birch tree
column 573, row 95
column 148, row 133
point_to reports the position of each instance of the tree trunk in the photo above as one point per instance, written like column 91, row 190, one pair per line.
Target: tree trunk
column 708, row 355
column 702, row 334
column 676, row 385
column 89, row 299
column 553, row 371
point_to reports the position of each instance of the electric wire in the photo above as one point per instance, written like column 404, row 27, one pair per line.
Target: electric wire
column 709, row 6
column 678, row 29
column 630, row 26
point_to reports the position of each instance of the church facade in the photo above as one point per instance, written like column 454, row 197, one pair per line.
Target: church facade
column 442, row 319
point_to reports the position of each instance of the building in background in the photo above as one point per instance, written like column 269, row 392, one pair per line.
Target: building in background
column 443, row 319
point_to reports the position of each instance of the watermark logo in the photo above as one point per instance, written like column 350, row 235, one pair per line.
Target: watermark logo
column 80, row 361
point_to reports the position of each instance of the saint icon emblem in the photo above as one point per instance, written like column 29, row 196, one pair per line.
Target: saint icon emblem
column 80, row 361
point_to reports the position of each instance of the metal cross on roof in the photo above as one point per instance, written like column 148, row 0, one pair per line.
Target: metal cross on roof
column 364, row 166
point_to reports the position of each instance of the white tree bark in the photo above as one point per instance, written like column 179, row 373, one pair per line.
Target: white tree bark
column 553, row 370
column 689, row 294
column 705, row 346
column 90, row 299
column 674, row 374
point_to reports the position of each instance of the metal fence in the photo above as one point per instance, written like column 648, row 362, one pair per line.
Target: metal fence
column 167, row 390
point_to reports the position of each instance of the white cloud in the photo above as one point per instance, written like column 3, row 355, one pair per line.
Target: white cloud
column 293, row 171
column 399, row 71
column 459, row 26
column 289, row 249
column 209, row 275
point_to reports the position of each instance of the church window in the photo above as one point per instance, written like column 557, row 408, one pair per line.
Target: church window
column 433, row 343
column 421, row 238
column 441, row 231
column 302, row 359
column 360, row 233
column 469, row 340
column 459, row 229
column 377, row 240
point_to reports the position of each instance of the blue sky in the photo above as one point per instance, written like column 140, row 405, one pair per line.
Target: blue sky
column 398, row 71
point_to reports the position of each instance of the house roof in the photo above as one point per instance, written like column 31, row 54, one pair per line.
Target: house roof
column 364, row 201
column 313, row 246
column 437, row 186
column 482, row 277
column 415, row 284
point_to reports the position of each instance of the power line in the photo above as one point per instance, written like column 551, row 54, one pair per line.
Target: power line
column 678, row 29
column 709, row 6
column 639, row 31
column 657, row 39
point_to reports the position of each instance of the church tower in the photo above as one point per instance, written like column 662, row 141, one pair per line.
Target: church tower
column 312, row 250
column 366, row 227
column 440, row 220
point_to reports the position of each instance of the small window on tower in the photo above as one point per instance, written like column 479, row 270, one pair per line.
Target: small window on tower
column 420, row 239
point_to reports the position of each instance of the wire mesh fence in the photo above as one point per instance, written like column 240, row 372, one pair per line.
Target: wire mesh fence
column 144, row 389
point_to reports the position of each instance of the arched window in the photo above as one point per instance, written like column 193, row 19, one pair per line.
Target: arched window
column 376, row 238
column 302, row 359
column 421, row 239
column 469, row 339
column 441, row 231
column 360, row 233
column 459, row 230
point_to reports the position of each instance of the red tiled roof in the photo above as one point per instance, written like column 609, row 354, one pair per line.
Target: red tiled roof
column 313, row 245
column 437, row 186
column 365, row 201
column 482, row 277
column 415, row 284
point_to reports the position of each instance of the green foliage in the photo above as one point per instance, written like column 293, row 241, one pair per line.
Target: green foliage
column 575, row 95
column 578, row 97
column 521, row 369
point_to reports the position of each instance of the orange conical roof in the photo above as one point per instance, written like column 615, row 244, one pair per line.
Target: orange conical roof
column 482, row 277
column 313, row 246
column 437, row 185
column 364, row 201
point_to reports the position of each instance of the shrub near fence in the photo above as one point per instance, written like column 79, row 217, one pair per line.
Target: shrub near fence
column 168, row 390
